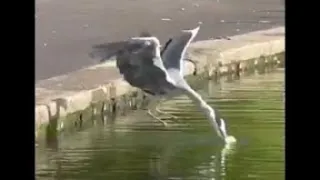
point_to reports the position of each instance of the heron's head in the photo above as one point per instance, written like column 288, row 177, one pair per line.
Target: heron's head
column 217, row 122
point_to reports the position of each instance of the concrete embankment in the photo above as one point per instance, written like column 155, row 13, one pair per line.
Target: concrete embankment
column 71, row 100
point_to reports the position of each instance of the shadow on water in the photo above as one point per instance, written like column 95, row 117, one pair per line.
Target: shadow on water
column 252, row 108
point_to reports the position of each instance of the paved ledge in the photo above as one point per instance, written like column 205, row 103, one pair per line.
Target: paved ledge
column 60, row 96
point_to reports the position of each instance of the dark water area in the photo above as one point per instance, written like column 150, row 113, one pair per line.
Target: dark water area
column 253, row 108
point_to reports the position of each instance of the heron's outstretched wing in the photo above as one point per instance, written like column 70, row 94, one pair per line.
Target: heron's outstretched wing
column 166, row 46
column 175, row 49
column 138, row 60
column 107, row 50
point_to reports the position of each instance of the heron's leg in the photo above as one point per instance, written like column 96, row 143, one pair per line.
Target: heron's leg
column 151, row 107
column 157, row 118
column 165, row 113
column 170, row 116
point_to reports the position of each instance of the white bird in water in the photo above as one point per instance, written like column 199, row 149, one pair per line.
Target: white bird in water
column 159, row 73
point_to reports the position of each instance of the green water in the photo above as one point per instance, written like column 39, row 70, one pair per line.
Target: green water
column 252, row 107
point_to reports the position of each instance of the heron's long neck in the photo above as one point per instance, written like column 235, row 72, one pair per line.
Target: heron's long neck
column 209, row 112
column 157, row 51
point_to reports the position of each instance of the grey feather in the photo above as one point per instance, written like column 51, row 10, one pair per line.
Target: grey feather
column 138, row 62
column 107, row 50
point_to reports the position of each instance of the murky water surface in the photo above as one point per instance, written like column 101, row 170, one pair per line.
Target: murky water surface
column 253, row 109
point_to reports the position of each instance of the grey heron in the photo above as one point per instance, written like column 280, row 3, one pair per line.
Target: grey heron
column 158, row 73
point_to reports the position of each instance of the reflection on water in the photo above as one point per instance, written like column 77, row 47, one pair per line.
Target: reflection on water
column 252, row 108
